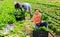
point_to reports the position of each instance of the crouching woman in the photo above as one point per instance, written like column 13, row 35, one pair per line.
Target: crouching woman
column 37, row 19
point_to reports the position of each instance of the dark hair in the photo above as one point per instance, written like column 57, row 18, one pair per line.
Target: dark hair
column 17, row 5
column 37, row 9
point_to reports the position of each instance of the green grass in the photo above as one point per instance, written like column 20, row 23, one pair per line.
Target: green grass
column 51, row 9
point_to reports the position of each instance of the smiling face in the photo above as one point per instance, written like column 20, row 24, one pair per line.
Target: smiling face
column 36, row 11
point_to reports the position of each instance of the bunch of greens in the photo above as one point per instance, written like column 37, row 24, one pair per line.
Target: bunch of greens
column 42, row 29
column 19, row 14
column 45, row 17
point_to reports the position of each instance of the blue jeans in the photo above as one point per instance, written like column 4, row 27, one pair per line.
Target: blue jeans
column 41, row 25
column 44, row 24
column 36, row 26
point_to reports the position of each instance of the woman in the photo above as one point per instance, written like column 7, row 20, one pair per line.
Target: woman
column 37, row 19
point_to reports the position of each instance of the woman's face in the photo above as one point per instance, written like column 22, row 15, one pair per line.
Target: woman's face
column 37, row 11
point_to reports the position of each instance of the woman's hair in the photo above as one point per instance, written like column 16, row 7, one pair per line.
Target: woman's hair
column 17, row 5
column 37, row 9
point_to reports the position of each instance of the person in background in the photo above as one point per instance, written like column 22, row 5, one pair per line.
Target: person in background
column 37, row 19
column 27, row 8
column 19, row 13
column 18, row 6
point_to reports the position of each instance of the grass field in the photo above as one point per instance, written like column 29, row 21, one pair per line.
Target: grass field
column 51, row 9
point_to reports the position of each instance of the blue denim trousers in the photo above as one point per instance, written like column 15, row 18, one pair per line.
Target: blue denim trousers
column 42, row 24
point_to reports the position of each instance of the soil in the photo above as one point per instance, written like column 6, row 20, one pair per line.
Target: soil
column 57, row 35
